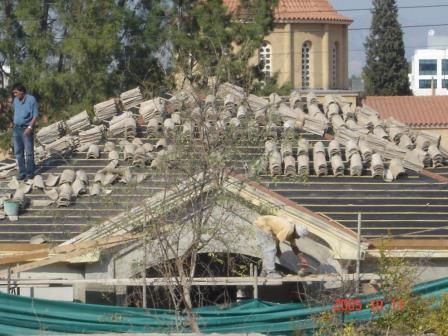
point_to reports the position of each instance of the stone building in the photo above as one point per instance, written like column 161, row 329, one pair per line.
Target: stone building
column 308, row 46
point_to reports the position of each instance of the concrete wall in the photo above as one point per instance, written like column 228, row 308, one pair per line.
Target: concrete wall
column 423, row 269
column 48, row 293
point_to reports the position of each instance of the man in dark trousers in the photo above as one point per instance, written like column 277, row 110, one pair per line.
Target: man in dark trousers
column 25, row 111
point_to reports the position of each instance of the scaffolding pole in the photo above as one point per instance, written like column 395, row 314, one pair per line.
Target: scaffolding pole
column 358, row 259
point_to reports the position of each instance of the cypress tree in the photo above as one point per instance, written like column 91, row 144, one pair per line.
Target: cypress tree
column 386, row 70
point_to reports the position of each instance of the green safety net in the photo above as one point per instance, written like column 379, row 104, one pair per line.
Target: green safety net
column 27, row 316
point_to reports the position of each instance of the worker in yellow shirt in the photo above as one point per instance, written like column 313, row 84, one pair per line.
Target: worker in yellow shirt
column 272, row 230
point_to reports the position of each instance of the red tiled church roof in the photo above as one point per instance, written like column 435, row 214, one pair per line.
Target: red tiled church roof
column 299, row 10
column 422, row 111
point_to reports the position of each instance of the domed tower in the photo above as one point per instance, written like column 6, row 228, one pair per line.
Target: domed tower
column 308, row 46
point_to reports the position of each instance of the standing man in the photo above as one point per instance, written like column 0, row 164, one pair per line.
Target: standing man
column 25, row 111
column 272, row 230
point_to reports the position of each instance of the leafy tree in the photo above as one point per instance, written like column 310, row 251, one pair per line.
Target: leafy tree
column 73, row 54
column 386, row 71
column 11, row 37
column 209, row 43
column 140, row 59
column 254, row 20
column 33, row 65
column 89, row 37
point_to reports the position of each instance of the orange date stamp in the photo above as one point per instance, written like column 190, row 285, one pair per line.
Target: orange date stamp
column 376, row 306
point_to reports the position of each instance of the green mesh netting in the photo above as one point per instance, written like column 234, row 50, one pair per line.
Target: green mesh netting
column 26, row 316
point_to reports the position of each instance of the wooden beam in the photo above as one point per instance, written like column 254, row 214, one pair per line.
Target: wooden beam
column 23, row 257
column 73, row 251
column 94, row 243
column 22, row 247
column 430, row 244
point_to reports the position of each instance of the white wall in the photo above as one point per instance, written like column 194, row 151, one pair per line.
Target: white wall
column 49, row 293
column 415, row 77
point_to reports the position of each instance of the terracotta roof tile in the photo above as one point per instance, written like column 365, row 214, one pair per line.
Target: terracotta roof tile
column 422, row 111
column 298, row 10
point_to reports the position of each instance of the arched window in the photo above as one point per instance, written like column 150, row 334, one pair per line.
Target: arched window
column 306, row 64
column 265, row 58
column 334, row 65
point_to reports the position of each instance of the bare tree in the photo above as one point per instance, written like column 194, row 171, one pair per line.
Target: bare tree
column 195, row 163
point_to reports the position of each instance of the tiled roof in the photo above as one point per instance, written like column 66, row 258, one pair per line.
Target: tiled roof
column 423, row 111
column 414, row 207
column 298, row 10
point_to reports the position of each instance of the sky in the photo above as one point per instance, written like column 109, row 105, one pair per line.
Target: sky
column 414, row 37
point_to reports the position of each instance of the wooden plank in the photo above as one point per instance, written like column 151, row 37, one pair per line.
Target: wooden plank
column 94, row 243
column 23, row 257
column 72, row 250
column 21, row 247
column 430, row 244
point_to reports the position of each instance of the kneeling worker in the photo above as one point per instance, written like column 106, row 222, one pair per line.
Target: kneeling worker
column 272, row 230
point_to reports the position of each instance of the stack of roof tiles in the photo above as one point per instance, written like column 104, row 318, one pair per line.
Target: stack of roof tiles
column 106, row 109
column 78, row 122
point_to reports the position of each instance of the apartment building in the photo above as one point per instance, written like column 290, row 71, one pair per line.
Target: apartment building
column 430, row 68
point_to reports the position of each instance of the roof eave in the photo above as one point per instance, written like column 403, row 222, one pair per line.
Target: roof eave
column 408, row 253
column 410, row 248
column 346, row 22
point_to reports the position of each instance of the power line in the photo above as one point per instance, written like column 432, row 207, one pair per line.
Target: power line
column 298, row 12
column 398, row 7
column 320, row 30
column 291, row 53
column 364, row 28
column 409, row 26
column 274, row 54
column 108, row 36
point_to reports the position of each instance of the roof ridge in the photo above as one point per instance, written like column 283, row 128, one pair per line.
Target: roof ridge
column 300, row 10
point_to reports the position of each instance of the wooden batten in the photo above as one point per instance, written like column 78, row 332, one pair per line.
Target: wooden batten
column 21, row 247
column 23, row 257
column 399, row 244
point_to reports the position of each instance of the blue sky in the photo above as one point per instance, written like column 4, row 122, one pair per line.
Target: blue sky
column 414, row 38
